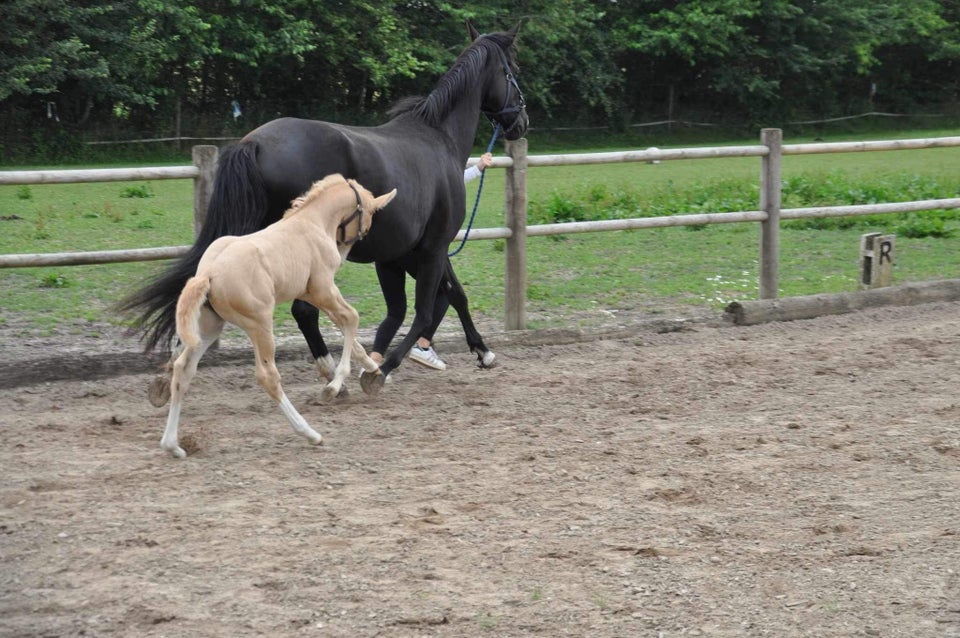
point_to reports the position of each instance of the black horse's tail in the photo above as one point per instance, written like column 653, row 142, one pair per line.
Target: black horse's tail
column 238, row 206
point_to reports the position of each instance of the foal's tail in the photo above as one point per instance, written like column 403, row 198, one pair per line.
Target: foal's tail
column 238, row 206
column 188, row 309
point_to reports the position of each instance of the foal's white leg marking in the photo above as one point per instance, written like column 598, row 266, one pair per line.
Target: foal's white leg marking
column 326, row 367
column 264, row 348
column 361, row 356
column 184, row 370
column 332, row 389
column 178, row 386
column 345, row 317
column 299, row 424
column 170, row 441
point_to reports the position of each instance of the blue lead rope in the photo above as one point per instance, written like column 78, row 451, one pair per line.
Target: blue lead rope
column 476, row 203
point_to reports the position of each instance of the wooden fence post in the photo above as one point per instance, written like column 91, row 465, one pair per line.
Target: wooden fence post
column 515, row 293
column 205, row 159
column 770, row 199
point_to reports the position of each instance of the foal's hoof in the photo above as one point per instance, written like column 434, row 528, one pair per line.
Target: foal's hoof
column 176, row 452
column 329, row 393
column 159, row 391
column 371, row 382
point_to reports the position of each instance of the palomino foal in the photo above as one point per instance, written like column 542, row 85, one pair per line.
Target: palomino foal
column 240, row 280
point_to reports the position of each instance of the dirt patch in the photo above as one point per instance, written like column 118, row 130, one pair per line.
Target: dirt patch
column 795, row 479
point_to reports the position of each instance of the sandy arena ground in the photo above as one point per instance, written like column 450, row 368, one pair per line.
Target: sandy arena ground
column 795, row 479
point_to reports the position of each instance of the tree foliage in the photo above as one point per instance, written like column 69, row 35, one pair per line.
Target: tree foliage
column 89, row 66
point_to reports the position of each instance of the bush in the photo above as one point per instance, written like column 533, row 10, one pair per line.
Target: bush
column 918, row 225
column 54, row 280
column 142, row 191
column 801, row 191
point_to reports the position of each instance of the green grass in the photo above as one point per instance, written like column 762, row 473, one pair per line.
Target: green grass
column 655, row 269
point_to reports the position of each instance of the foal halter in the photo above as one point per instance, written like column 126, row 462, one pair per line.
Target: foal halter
column 504, row 110
column 356, row 214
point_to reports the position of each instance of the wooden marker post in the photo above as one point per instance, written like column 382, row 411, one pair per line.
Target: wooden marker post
column 876, row 260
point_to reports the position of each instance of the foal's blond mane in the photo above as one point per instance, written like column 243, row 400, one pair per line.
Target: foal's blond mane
column 318, row 187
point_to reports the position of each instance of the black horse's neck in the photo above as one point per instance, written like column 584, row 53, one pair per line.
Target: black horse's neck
column 455, row 103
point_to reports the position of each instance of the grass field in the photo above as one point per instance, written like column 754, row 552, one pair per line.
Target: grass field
column 568, row 276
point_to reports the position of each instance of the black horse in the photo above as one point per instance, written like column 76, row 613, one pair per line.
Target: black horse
column 421, row 151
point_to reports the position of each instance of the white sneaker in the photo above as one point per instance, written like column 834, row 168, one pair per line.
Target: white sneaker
column 427, row 357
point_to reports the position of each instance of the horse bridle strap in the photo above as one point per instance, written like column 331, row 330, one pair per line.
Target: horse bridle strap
column 504, row 110
column 356, row 214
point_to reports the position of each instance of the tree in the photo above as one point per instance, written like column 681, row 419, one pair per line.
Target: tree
column 135, row 65
column 672, row 50
column 921, row 66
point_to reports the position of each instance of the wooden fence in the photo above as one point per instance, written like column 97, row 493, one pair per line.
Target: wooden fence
column 516, row 162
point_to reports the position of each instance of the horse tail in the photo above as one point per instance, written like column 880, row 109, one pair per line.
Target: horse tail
column 238, row 206
column 188, row 309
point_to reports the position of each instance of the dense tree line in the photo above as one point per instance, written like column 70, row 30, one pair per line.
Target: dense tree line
column 103, row 68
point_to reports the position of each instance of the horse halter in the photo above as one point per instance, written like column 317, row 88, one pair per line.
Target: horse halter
column 356, row 214
column 505, row 109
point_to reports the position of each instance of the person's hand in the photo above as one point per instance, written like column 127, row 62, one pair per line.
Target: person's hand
column 485, row 161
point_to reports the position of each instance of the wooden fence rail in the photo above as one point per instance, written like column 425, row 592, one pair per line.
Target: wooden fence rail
column 516, row 162
column 81, row 176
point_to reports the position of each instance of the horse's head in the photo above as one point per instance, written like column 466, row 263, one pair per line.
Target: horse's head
column 503, row 101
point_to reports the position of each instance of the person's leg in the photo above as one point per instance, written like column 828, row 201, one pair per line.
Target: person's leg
column 423, row 352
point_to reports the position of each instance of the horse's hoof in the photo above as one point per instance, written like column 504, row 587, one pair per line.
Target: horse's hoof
column 371, row 382
column 159, row 391
column 316, row 441
column 325, row 368
column 329, row 392
column 487, row 360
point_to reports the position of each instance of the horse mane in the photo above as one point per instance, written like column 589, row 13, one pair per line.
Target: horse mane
column 318, row 187
column 456, row 81
column 405, row 105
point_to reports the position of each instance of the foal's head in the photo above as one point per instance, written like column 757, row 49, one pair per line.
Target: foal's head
column 355, row 216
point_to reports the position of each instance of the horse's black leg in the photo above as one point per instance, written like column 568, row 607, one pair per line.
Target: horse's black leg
column 458, row 299
column 308, row 319
column 440, row 307
column 393, row 286
column 430, row 270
